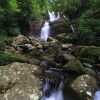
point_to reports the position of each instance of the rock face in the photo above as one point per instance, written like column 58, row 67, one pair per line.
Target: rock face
column 81, row 87
column 19, row 81
column 61, row 26
column 74, row 65
column 85, row 86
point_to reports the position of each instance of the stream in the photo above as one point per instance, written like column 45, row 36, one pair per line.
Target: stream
column 52, row 89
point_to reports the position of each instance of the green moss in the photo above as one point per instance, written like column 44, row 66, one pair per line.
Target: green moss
column 9, row 58
column 36, row 53
column 79, row 66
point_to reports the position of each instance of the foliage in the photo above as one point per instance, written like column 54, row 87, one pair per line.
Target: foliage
column 9, row 58
column 88, row 53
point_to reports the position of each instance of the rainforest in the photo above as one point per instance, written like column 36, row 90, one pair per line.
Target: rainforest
column 49, row 49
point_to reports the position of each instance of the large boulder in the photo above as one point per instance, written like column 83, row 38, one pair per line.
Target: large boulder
column 60, row 36
column 52, row 40
column 85, row 86
column 20, row 81
column 74, row 65
column 20, row 40
column 80, row 88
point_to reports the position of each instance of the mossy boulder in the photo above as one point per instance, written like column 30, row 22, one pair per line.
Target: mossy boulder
column 74, row 65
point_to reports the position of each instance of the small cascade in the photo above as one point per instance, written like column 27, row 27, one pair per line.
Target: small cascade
column 45, row 32
column 97, row 95
column 72, row 28
column 53, row 17
column 52, row 90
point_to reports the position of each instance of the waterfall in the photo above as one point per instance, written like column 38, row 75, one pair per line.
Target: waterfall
column 72, row 28
column 97, row 95
column 53, row 17
column 45, row 32
column 52, row 90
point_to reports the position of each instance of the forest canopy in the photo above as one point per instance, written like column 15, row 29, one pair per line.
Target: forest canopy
column 16, row 15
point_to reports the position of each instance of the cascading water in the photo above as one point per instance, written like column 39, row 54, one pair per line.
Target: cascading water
column 45, row 32
column 52, row 93
column 97, row 95
column 53, row 16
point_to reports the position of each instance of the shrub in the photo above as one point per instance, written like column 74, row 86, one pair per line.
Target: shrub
column 9, row 58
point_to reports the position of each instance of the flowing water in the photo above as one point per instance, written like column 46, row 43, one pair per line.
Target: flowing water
column 45, row 32
column 97, row 95
column 53, row 16
column 52, row 90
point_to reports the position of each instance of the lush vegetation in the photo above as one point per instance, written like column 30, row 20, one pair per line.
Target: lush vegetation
column 16, row 16
column 9, row 58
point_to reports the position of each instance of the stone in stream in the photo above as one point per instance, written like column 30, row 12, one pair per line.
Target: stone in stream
column 81, row 88
column 85, row 86
column 20, row 81
column 74, row 65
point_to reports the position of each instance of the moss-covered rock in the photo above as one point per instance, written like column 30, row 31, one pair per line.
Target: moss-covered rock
column 8, row 58
column 74, row 65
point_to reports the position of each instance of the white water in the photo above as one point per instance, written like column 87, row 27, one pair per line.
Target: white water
column 53, row 17
column 97, row 95
column 45, row 32
column 56, row 93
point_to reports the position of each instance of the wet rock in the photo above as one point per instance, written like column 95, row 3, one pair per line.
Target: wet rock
column 68, row 57
column 74, row 65
column 10, row 50
column 89, row 71
column 34, row 61
column 52, row 41
column 29, row 47
column 60, row 36
column 37, row 43
column 66, row 46
column 20, row 40
column 20, row 81
column 47, row 58
column 85, row 86
column 88, row 65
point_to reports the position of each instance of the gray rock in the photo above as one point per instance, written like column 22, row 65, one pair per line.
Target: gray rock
column 19, row 81
column 20, row 40
column 85, row 86
column 66, row 46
